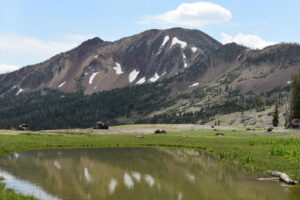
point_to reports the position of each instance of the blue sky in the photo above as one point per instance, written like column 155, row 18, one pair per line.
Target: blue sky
column 34, row 30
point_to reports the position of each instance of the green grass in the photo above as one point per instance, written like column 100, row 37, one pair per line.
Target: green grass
column 257, row 152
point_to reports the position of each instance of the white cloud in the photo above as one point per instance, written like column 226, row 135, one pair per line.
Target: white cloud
column 7, row 68
column 192, row 15
column 24, row 50
column 24, row 44
column 251, row 41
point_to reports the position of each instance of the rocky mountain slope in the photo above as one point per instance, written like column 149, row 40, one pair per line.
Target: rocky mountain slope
column 158, row 76
column 96, row 65
column 240, row 69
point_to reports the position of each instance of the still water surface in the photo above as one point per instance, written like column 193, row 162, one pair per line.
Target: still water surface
column 134, row 173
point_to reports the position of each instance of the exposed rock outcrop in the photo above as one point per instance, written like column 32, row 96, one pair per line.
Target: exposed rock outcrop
column 23, row 127
column 100, row 125
column 295, row 123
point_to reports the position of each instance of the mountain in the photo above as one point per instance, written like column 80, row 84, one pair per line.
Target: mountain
column 144, row 79
column 97, row 65
column 245, row 70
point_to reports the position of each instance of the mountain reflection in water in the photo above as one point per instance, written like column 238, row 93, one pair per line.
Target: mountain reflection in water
column 133, row 173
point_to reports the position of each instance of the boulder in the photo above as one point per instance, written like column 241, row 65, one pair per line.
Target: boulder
column 160, row 131
column 100, row 125
column 23, row 127
column 231, row 122
column 295, row 123
column 219, row 134
column 270, row 129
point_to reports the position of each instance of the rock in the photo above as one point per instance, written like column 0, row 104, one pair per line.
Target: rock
column 219, row 134
column 295, row 123
column 160, row 131
column 264, row 125
column 23, row 127
column 230, row 122
column 248, row 129
column 244, row 119
column 284, row 177
column 100, row 125
column 270, row 129
column 212, row 126
column 215, row 129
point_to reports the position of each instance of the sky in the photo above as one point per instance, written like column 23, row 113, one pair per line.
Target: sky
column 32, row 31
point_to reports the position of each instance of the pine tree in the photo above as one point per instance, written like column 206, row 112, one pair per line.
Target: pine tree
column 275, row 120
column 295, row 99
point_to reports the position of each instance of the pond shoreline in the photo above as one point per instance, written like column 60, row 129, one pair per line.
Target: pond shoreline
column 238, row 147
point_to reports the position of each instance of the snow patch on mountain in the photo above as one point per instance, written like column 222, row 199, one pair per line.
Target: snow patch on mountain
column 184, row 60
column 166, row 39
column 141, row 81
column 194, row 85
column 92, row 77
column 185, row 64
column 118, row 69
column 133, row 75
column 154, row 78
column 194, row 49
column 62, row 84
column 19, row 91
column 177, row 41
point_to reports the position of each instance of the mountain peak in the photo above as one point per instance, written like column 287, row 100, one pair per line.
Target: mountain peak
column 97, row 65
column 92, row 42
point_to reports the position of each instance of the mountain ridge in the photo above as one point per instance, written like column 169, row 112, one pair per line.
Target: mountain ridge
column 219, row 79
column 146, row 52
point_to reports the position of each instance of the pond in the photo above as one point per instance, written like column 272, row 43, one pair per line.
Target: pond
column 133, row 173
